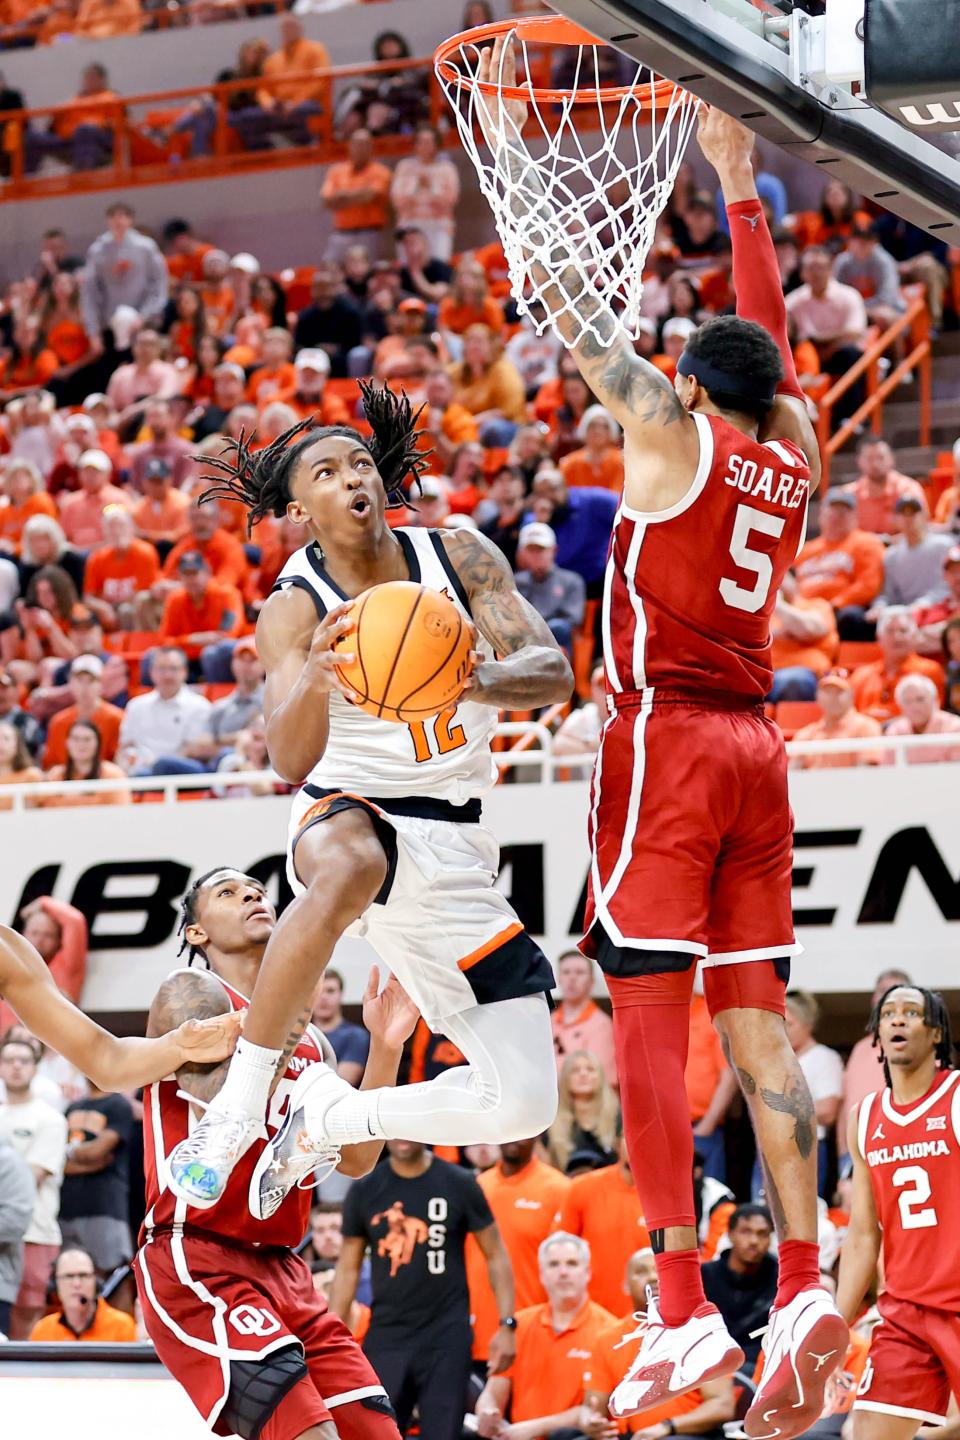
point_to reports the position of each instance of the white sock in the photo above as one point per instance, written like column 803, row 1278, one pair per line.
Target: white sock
column 246, row 1089
column 354, row 1118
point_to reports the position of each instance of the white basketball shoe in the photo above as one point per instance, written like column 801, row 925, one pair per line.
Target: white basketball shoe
column 673, row 1359
column 805, row 1341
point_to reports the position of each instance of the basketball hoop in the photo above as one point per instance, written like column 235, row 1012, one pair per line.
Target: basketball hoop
column 576, row 195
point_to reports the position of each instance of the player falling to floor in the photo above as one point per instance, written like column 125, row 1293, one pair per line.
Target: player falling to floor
column 385, row 835
column 690, row 823
column 111, row 1062
column 905, row 1143
column 230, row 1309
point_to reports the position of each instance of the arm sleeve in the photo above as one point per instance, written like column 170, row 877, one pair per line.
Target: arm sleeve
column 759, row 289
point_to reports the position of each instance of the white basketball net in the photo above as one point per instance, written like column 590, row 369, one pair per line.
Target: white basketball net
column 576, row 201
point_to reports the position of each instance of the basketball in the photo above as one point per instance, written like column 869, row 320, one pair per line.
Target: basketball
column 412, row 652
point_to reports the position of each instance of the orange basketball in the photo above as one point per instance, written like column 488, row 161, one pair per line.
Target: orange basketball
column 412, row 651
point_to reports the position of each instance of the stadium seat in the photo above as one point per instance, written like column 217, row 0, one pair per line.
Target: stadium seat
column 584, row 645
column 792, row 715
column 857, row 652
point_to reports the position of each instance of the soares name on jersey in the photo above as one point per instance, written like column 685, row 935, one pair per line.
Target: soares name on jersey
column 747, row 476
column 921, row 1150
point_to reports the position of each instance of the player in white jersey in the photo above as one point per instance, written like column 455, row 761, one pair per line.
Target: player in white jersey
column 385, row 838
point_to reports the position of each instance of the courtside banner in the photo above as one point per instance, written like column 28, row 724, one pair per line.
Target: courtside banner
column 876, row 874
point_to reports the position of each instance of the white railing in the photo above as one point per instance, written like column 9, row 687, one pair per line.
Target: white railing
column 540, row 764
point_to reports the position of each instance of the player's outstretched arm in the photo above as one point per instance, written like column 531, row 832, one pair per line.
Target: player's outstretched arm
column 728, row 146
column 298, row 657
column 634, row 391
column 861, row 1247
column 110, row 1062
column 533, row 669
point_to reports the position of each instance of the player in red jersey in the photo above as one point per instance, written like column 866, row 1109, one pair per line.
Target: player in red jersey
column 690, row 822
column 230, row 1309
column 111, row 1062
column 905, row 1143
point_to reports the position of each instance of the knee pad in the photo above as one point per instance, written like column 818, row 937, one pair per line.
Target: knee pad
column 258, row 1386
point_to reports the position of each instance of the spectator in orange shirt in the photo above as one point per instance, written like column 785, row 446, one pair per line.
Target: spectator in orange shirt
column 444, row 424
column 82, row 1315
column 357, row 191
column 276, row 373
column 874, row 685
column 200, row 613
column 604, row 1208
column 710, row 1086
column 804, row 643
column 59, row 933
column 588, row 1115
column 28, row 364
column 469, row 301
column 307, row 395
column 106, row 19
column 843, row 565
column 161, row 516
column 86, row 688
column 287, row 108
column 543, row 1388
column 697, row 1412
column 82, row 131
column 879, row 487
column 120, row 573
column 578, row 1022
column 490, row 387
column 840, row 721
column 185, row 252
column 223, row 553
column 525, row 1196
column 600, row 460
column 85, row 761
column 25, row 496
column 81, row 514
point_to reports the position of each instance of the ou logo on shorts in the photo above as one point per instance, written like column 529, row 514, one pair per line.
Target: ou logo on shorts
column 249, row 1320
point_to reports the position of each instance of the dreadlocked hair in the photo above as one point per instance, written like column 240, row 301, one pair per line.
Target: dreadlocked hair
column 188, row 914
column 936, row 1016
column 260, row 479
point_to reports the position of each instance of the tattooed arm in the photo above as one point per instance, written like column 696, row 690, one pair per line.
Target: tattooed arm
column 534, row 670
column 659, row 434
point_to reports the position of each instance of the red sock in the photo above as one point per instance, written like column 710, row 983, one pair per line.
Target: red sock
column 651, row 1028
column 799, row 1268
column 681, row 1285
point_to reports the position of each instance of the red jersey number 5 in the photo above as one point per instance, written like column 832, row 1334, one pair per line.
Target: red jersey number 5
column 746, row 521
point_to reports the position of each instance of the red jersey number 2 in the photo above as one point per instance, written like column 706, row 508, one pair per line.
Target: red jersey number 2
column 747, row 522
column 446, row 736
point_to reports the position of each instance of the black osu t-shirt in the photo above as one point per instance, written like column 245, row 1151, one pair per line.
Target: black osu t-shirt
column 416, row 1230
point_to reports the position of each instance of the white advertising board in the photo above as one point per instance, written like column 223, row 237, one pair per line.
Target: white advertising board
column 875, row 878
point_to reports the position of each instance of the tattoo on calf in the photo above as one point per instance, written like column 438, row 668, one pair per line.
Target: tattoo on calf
column 747, row 1083
column 293, row 1039
column 794, row 1099
column 776, row 1204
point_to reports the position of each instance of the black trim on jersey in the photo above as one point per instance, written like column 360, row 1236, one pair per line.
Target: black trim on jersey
column 410, row 555
column 384, row 831
column 300, row 582
column 413, row 807
column 317, row 564
column 448, row 566
column 518, row 967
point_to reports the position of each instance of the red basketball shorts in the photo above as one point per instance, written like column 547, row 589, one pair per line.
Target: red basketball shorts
column 692, row 835
column 206, row 1305
column 914, row 1362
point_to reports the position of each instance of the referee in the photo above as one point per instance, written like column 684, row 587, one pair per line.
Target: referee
column 414, row 1213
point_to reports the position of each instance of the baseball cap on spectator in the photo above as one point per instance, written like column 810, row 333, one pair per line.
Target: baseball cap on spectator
column 249, row 264
column 839, row 679
column 313, row 360
column 909, row 502
column 584, row 1160
column 430, row 487
column 412, row 306
column 87, row 665
column 246, row 645
column 681, row 326
column 191, row 561
column 537, row 533
column 157, row 469
column 952, row 557
column 646, row 326
column 96, row 460
column 82, row 615
column 94, row 400
column 701, row 200
column 227, row 367
column 836, row 496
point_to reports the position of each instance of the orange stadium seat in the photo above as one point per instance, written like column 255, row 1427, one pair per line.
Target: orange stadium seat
column 791, row 715
column 857, row 652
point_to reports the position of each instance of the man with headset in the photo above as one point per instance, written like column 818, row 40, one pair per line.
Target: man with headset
column 83, row 1314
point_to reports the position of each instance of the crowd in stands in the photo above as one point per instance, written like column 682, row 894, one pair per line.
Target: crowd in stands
column 561, row 1210
column 127, row 608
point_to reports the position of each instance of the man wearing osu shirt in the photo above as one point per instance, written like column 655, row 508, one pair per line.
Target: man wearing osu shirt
column 415, row 1213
